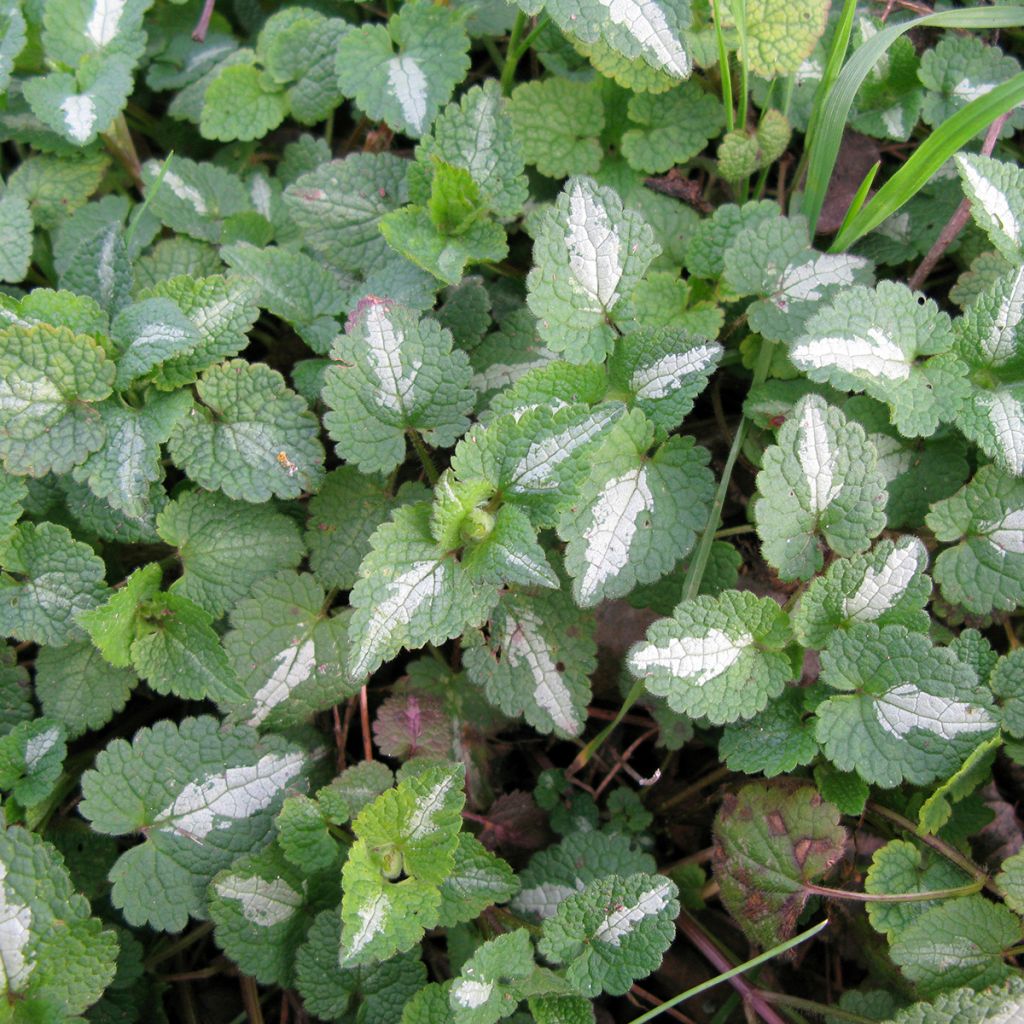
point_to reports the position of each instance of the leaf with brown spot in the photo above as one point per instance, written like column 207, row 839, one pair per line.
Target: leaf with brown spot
column 771, row 840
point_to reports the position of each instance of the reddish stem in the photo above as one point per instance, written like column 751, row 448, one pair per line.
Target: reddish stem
column 623, row 759
column 750, row 995
column 364, row 717
column 960, row 216
column 203, row 24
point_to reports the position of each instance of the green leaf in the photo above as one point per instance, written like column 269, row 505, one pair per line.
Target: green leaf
column 394, row 372
column 478, row 880
column 821, row 477
column 589, row 253
column 260, row 908
column 241, row 104
column 410, row 832
column 292, row 286
column 557, row 122
column 663, row 370
column 583, row 856
column 123, row 471
column 226, row 547
column 31, row 757
column 1011, row 882
column 636, row 515
column 77, row 687
column 510, row 553
column 538, row 460
column 780, row 35
column 56, row 187
column 965, row 1006
column 298, row 46
column 409, row 593
column 15, row 238
column 706, row 247
column 49, row 579
column 12, row 41
column 902, row 867
column 405, row 72
column 991, row 412
column 416, row 233
column 612, row 933
column 58, row 959
column 774, row 741
column 342, row 517
column 252, row 438
column 890, row 99
column 959, row 69
column 288, row 654
column 996, row 193
column 478, row 135
column 886, row 586
column 201, row 795
column 976, row 770
column 958, row 942
column 908, row 711
column 148, row 334
column 376, row 992
column 535, row 660
column 75, row 30
column 178, row 651
column 338, row 205
column 48, row 379
column 771, row 841
column 650, row 31
column 986, row 568
column 772, row 259
column 847, row 790
column 100, row 267
column 113, row 626
column 222, row 311
column 675, row 127
column 193, row 198
column 562, row 1010
column 492, row 982
column 79, row 107
column 721, row 658
column 868, row 340
column 354, row 789
column 303, row 834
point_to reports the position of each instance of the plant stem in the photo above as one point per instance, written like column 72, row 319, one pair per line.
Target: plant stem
column 203, row 24
column 692, row 930
column 251, row 999
column 364, row 721
column 118, row 140
column 734, row 531
column 821, row 1009
column 695, row 572
column 682, row 795
column 894, row 897
column 723, row 70
column 960, row 216
column 938, row 845
column 424, row 456
column 178, row 945
column 508, row 72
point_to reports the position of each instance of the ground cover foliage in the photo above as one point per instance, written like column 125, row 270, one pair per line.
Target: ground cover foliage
column 510, row 511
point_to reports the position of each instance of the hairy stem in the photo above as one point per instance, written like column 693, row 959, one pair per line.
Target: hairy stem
column 424, row 456
column 810, row 1006
column 938, row 845
column 894, row 897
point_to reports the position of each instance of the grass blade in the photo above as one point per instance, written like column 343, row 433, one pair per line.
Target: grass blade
column 726, row 975
column 929, row 157
column 823, row 147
